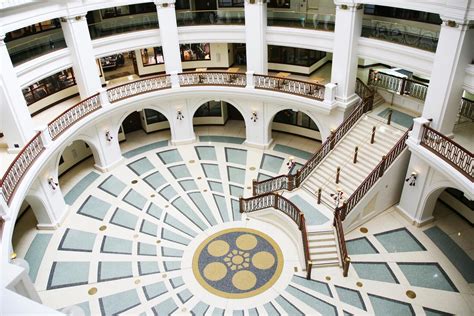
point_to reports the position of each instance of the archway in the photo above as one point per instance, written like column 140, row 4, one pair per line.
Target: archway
column 219, row 118
column 296, row 131
column 143, row 127
column 450, row 204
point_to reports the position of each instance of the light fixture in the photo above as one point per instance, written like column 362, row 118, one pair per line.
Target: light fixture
column 291, row 162
column 411, row 179
column 52, row 183
column 108, row 136
column 254, row 116
column 179, row 115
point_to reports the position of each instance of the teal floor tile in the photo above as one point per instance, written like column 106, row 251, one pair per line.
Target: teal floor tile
column 203, row 207
column 146, row 249
column 387, row 307
column 141, row 166
column 200, row 309
column 311, row 214
column 238, row 156
column 360, row 246
column 65, row 274
column 112, row 185
column 185, row 295
column 169, row 156
column 399, row 240
column 144, row 149
column 113, row 270
column 85, row 308
column 319, row 305
column 432, row 312
column 94, row 207
column 186, row 210
column 176, row 282
column 222, row 139
column 135, row 199
column 236, row 191
column 236, row 175
column 149, row 228
column 116, row 245
column 206, row 152
column 376, row 271
column 458, row 257
column 429, row 275
column 398, row 117
column 80, row 187
column 148, row 267
column 154, row 211
column 222, row 206
column 77, row 240
column 119, row 303
column 270, row 309
column 271, row 163
column 180, row 171
column 154, row 290
column 172, row 265
column 211, row 171
column 351, row 297
column 263, row 177
column 188, row 185
column 289, row 308
column 34, row 255
column 166, row 307
column 314, row 285
column 238, row 313
column 179, row 225
column 293, row 151
column 155, row 180
column 168, row 192
column 236, row 210
column 124, row 219
column 173, row 237
column 217, row 312
column 216, row 186
column 171, row 252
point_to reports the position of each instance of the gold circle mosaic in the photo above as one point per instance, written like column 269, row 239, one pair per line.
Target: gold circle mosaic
column 237, row 263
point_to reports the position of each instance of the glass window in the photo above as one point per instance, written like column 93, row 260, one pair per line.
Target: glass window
column 127, row 10
column 182, row 5
column 153, row 116
column 278, row 4
column 152, row 56
column 33, row 29
column 295, row 118
column 191, row 52
column 294, row 56
column 231, row 3
column 211, row 108
column 403, row 14
column 50, row 85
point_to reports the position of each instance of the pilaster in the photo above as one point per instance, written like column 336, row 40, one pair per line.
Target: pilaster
column 169, row 35
column 256, row 36
column 78, row 40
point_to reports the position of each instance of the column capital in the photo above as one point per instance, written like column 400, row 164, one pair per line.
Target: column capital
column 455, row 22
column 74, row 18
column 164, row 3
column 348, row 5
column 256, row 1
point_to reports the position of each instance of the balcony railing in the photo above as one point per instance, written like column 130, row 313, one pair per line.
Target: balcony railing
column 20, row 166
column 422, row 38
column 134, row 88
column 212, row 79
column 399, row 85
column 448, row 150
column 466, row 109
column 211, row 17
column 284, row 205
column 124, row 24
column 292, row 86
column 341, row 242
column 72, row 115
column 313, row 21
column 292, row 181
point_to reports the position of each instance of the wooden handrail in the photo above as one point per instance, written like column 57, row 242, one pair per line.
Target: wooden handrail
column 448, row 150
column 291, row 86
column 341, row 242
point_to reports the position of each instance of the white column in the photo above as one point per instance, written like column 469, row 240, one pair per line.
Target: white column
column 16, row 123
column 181, row 125
column 256, row 36
column 344, row 59
column 454, row 52
column 78, row 40
column 169, row 35
column 258, row 126
column 109, row 154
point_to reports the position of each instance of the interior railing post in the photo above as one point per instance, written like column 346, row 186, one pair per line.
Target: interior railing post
column 372, row 138
column 319, row 195
column 382, row 166
column 254, row 187
column 332, row 140
column 356, row 150
column 389, row 119
column 338, row 173
column 347, row 263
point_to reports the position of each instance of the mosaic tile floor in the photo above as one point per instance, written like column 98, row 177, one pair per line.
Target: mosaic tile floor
column 138, row 240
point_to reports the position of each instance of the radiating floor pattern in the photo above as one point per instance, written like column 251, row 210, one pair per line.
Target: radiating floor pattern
column 127, row 245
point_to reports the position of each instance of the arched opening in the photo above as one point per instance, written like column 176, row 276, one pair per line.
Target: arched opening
column 295, row 132
column 25, row 228
column 143, row 127
column 219, row 118
column 451, row 205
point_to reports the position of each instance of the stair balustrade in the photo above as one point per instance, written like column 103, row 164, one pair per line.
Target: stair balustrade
column 291, row 86
column 210, row 78
column 448, row 150
column 399, row 85
column 284, row 205
column 466, row 109
column 341, row 242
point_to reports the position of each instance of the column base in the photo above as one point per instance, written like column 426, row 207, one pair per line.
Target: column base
column 108, row 167
column 259, row 145
column 47, row 226
column 13, row 150
column 412, row 220
column 347, row 103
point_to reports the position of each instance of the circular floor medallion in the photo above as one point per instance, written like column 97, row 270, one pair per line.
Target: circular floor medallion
column 411, row 294
column 237, row 263
column 252, row 168
column 364, row 230
column 92, row 291
column 102, row 228
column 134, row 181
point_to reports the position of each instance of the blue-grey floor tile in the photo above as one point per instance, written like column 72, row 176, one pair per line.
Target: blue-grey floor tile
column 179, row 225
column 203, row 207
column 155, row 180
column 77, row 240
column 222, row 139
column 141, row 166
column 429, row 275
column 112, row 185
column 311, row 214
column 351, row 297
column 238, row 313
column 188, row 185
column 399, row 240
column 166, row 307
column 118, row 303
column 179, row 171
column 263, row 177
column 124, row 219
column 321, row 306
column 168, row 192
column 80, row 187
column 222, row 206
column 271, row 310
column 236, row 191
column 184, row 209
column 94, row 207
column 432, row 312
column 154, row 211
column 387, row 307
column 398, row 117
column 146, row 249
column 116, row 245
column 377, row 271
column 176, row 282
column 154, row 290
column 171, row 252
column 206, row 152
column 234, row 155
column 236, row 209
column 170, row 156
column 65, row 274
column 135, row 199
column 458, row 257
column 34, row 255
column 289, row 308
column 149, row 228
column 216, row 186
column 293, row 151
column 360, row 246
column 144, row 149
column 211, row 171
column 314, row 285
column 199, row 309
column 185, row 295
column 172, row 236
column 148, row 267
column 218, row 312
column 113, row 270
column 271, row 163
column 236, row 175
column 253, row 312
column 172, row 265
column 85, row 308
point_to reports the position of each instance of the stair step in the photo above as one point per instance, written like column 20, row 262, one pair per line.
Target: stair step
column 328, row 263
column 324, row 257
